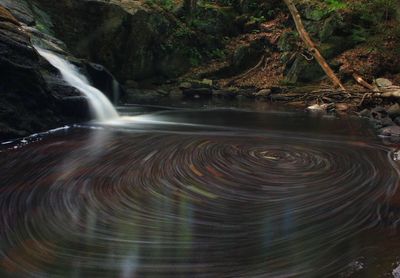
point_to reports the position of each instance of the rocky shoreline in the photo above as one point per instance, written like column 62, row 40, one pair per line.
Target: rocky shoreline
column 35, row 98
column 382, row 112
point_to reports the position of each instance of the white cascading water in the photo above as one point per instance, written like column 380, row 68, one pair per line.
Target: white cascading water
column 101, row 107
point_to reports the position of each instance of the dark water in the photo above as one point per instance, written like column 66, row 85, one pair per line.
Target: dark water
column 217, row 193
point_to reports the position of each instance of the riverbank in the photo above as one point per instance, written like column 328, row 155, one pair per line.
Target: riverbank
column 220, row 52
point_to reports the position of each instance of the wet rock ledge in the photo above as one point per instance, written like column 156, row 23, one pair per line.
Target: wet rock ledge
column 33, row 95
column 26, row 103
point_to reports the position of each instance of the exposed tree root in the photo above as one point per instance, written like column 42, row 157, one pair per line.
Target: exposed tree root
column 262, row 60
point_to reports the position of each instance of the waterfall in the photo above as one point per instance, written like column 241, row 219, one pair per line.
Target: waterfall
column 101, row 108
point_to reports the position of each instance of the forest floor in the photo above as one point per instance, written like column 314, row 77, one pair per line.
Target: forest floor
column 267, row 76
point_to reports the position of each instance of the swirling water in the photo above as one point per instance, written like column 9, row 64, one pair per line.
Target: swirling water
column 216, row 193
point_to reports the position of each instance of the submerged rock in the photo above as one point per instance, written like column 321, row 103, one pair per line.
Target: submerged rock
column 185, row 85
column 366, row 113
column 318, row 107
column 390, row 131
column 342, row 107
column 263, row 93
column 394, row 110
column 224, row 93
column 387, row 121
column 378, row 112
column 397, row 120
column 198, row 92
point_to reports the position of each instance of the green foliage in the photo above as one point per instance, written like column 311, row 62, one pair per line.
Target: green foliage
column 375, row 21
column 166, row 4
column 359, row 34
column 183, row 32
column 326, row 8
column 257, row 19
column 195, row 56
column 376, row 11
column 334, row 5
column 218, row 54
column 318, row 14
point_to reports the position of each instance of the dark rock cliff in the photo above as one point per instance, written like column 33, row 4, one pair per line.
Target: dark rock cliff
column 26, row 103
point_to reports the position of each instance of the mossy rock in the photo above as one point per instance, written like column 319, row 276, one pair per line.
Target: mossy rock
column 215, row 20
column 249, row 55
column 335, row 46
column 288, row 41
column 303, row 71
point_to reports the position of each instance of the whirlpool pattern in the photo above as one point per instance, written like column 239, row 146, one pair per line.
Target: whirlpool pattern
column 101, row 203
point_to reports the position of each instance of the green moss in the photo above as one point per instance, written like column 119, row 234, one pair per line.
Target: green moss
column 334, row 5
column 43, row 21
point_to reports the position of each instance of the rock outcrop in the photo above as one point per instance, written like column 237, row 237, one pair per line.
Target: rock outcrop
column 134, row 41
column 33, row 95
column 26, row 103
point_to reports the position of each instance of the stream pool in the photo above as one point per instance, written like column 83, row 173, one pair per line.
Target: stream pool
column 201, row 193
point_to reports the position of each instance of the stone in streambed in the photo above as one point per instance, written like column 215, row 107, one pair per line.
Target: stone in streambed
column 176, row 92
column 342, row 107
column 366, row 113
column 317, row 108
column 397, row 120
column 163, row 92
column 394, row 110
column 383, row 82
column 390, row 131
column 197, row 93
column 263, row 93
column 227, row 94
column 378, row 112
column 278, row 97
column 185, row 85
column 387, row 121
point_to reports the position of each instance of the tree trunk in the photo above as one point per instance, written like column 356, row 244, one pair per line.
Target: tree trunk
column 310, row 44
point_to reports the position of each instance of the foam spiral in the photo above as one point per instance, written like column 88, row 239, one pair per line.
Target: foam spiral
column 154, row 204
